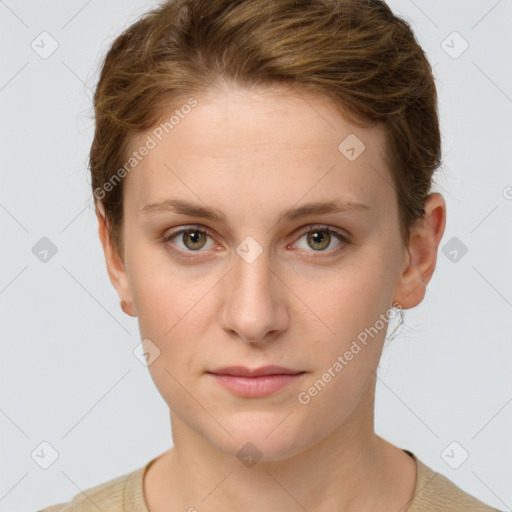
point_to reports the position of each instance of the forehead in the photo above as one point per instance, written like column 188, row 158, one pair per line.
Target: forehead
column 260, row 142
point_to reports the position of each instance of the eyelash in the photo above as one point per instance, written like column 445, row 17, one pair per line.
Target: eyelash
column 317, row 227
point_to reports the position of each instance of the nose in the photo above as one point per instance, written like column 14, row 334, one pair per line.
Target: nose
column 254, row 301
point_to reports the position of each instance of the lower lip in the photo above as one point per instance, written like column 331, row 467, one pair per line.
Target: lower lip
column 255, row 387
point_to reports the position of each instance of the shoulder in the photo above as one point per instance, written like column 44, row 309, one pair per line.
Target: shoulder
column 109, row 496
column 436, row 493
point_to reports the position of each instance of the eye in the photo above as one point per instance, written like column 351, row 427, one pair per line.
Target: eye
column 186, row 241
column 319, row 238
column 191, row 238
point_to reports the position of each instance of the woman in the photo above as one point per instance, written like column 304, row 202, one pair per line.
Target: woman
column 262, row 176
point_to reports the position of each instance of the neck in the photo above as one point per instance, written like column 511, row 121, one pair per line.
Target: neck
column 352, row 470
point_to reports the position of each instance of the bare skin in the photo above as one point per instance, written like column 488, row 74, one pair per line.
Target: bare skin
column 252, row 155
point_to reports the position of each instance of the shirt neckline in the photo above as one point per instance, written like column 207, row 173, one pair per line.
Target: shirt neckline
column 133, row 494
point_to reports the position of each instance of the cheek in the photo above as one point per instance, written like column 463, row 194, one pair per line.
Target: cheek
column 169, row 312
column 351, row 299
column 161, row 293
column 174, row 310
column 354, row 309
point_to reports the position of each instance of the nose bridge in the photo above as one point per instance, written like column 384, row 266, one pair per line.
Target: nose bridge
column 254, row 303
column 254, row 276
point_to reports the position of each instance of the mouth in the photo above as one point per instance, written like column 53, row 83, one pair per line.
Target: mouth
column 242, row 371
column 256, row 382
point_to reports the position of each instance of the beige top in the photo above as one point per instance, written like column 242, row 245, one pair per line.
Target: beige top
column 433, row 493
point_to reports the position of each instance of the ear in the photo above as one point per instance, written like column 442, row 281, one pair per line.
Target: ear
column 115, row 265
column 422, row 253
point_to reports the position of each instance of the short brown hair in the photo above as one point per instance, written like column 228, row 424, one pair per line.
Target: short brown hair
column 355, row 52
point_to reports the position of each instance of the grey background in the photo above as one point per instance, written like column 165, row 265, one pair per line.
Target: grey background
column 69, row 376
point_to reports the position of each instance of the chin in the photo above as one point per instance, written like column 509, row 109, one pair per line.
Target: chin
column 262, row 436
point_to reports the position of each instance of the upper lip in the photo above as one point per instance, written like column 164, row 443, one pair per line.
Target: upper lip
column 255, row 372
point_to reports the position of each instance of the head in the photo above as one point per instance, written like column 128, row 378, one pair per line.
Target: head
column 262, row 177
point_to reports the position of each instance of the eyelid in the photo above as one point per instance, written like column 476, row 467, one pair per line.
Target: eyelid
column 342, row 236
column 189, row 227
column 322, row 227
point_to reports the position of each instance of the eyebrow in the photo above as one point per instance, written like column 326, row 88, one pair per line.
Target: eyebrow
column 195, row 210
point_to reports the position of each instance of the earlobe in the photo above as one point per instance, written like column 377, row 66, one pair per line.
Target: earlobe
column 115, row 265
column 422, row 253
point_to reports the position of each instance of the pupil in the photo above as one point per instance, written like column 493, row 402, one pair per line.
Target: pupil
column 319, row 237
column 194, row 239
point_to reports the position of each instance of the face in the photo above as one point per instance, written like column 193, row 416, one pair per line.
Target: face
column 292, row 258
